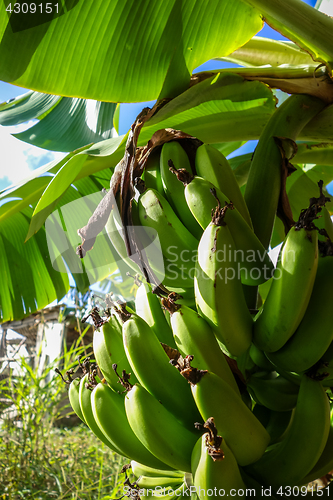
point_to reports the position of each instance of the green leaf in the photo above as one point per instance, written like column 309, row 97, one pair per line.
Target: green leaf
column 223, row 107
column 307, row 27
column 314, row 153
column 65, row 124
column 29, row 281
column 301, row 186
column 61, row 229
column 54, row 191
column 260, row 51
column 120, row 50
column 26, row 107
column 227, row 148
column 241, row 166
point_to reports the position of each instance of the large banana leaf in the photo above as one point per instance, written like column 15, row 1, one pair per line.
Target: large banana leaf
column 120, row 50
column 35, row 272
column 65, row 124
column 28, row 281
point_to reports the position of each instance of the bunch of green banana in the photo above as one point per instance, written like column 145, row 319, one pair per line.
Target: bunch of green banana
column 158, row 483
column 152, row 368
column 255, row 410
column 109, row 413
column 159, row 430
column 89, row 417
column 305, row 348
column 288, row 462
column 254, row 264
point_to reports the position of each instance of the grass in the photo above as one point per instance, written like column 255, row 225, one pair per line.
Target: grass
column 68, row 464
column 41, row 461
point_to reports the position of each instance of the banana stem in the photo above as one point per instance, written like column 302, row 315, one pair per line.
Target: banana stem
column 264, row 182
column 310, row 29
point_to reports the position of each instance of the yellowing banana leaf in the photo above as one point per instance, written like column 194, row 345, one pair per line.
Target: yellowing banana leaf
column 314, row 153
column 119, row 50
column 302, row 79
column 65, row 124
column 261, row 51
column 310, row 29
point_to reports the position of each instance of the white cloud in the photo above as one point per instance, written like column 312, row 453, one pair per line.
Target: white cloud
column 17, row 158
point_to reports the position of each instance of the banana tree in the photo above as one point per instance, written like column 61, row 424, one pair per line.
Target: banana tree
column 80, row 58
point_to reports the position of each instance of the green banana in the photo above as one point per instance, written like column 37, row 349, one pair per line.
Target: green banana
column 152, row 173
column 305, row 348
column 143, row 470
column 147, row 237
column 215, row 469
column 262, row 413
column 254, row 264
column 242, row 431
column 166, row 493
column 159, row 430
column 108, row 350
column 289, row 461
column 278, row 425
column 109, row 413
column 276, row 393
column 74, row 398
column 157, row 483
column 212, row 165
column 178, row 245
column 86, row 409
column 290, row 292
column 325, row 461
column 148, row 307
column 260, row 359
column 218, row 290
column 194, row 336
column 174, row 190
column 263, row 188
column 154, row 372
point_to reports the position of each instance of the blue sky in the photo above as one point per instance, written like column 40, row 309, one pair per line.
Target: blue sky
column 19, row 158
